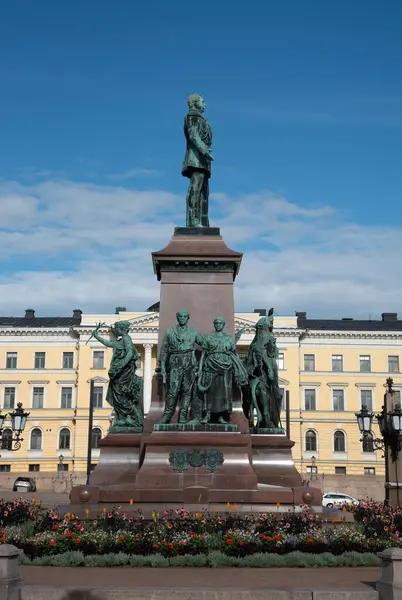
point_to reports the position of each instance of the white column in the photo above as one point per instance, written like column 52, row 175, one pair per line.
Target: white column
column 147, row 377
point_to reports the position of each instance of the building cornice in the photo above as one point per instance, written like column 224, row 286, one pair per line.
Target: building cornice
column 354, row 335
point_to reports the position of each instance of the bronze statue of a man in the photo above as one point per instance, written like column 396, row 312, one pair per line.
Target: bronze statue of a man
column 197, row 162
column 178, row 366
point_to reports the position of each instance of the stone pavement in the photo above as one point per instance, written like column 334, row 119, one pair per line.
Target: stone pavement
column 230, row 578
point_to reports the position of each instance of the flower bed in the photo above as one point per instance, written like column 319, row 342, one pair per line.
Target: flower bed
column 204, row 538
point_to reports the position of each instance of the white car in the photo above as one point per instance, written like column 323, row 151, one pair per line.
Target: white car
column 336, row 500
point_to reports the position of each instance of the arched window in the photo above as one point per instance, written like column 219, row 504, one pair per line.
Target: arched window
column 311, row 441
column 36, row 439
column 368, row 442
column 64, row 439
column 339, row 441
column 96, row 437
column 7, row 439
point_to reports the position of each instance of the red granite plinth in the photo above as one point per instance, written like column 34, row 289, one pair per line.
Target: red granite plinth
column 117, row 468
column 158, row 481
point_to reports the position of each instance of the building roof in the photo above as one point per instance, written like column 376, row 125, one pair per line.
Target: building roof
column 386, row 324
column 30, row 321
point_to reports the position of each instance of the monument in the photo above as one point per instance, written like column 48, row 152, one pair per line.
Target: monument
column 213, row 433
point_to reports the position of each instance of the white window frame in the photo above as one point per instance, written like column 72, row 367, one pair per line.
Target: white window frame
column 369, row 362
column 308, row 388
column 338, row 389
column 102, row 432
column 30, row 440
column 309, row 453
column 339, row 452
column 367, row 388
column 11, row 385
column 93, row 359
column 58, row 439
column 304, row 363
column 332, row 362
column 38, row 385
column 99, row 384
column 34, row 359
column 281, row 358
column 70, row 387
column 399, row 360
column 9, row 368
column 62, row 360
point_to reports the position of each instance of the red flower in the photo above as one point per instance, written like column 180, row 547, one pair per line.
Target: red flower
column 229, row 542
column 202, row 538
column 122, row 539
column 181, row 543
column 156, row 546
column 170, row 546
column 277, row 538
column 193, row 534
column 55, row 527
column 77, row 540
column 52, row 543
column 241, row 543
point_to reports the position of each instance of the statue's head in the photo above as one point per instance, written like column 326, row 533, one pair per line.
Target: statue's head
column 121, row 327
column 196, row 101
column 219, row 323
column 182, row 317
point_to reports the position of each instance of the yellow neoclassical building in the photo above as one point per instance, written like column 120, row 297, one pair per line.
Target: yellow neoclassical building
column 329, row 367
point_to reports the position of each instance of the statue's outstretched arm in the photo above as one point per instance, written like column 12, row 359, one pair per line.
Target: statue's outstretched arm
column 102, row 340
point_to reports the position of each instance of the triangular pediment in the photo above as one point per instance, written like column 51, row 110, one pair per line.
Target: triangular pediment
column 98, row 380
column 240, row 322
column 145, row 320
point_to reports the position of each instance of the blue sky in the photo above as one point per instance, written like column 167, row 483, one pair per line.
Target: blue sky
column 305, row 101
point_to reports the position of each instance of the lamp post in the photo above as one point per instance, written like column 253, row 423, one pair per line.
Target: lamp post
column 390, row 424
column 18, row 421
column 313, row 468
column 60, row 466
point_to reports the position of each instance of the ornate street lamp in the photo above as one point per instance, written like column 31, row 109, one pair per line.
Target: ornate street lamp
column 18, row 421
column 390, row 424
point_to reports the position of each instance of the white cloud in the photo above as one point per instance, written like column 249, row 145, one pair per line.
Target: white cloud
column 66, row 245
column 133, row 174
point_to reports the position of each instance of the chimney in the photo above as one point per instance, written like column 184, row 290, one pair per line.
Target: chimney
column 29, row 313
column 120, row 309
column 301, row 315
column 77, row 312
column 261, row 311
column 389, row 317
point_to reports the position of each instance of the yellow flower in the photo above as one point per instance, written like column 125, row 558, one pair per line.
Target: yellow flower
column 33, row 501
column 73, row 516
column 170, row 526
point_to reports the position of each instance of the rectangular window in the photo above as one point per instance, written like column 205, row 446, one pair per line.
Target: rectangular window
column 309, row 400
column 98, row 396
column 68, row 360
column 340, row 470
column 11, row 360
column 9, row 397
column 309, row 362
column 281, row 361
column 40, row 360
column 365, row 363
column 397, row 396
column 393, row 364
column 37, row 397
column 337, row 363
column 34, row 468
column 98, row 359
column 366, row 399
column 5, row 468
column 338, row 397
column 61, row 467
column 369, row 470
column 66, row 397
